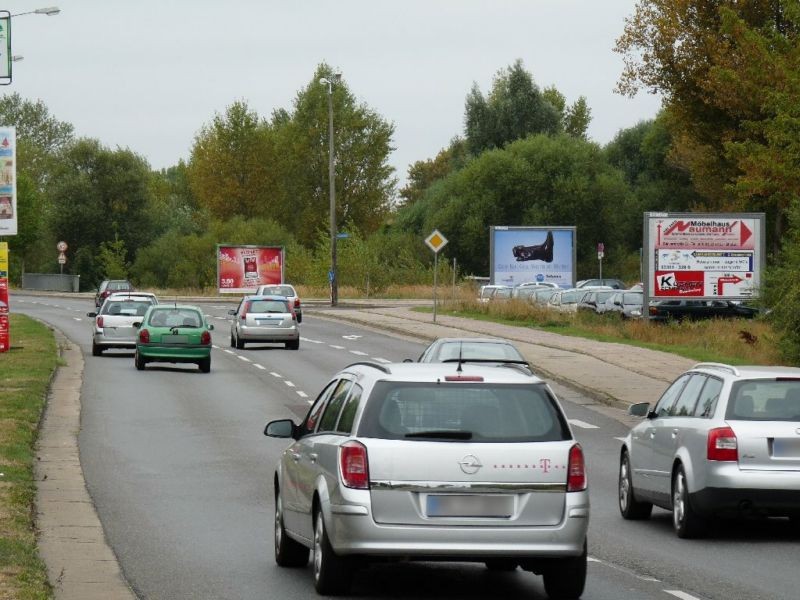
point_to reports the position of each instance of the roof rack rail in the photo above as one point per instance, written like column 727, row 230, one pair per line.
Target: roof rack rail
column 714, row 365
column 367, row 363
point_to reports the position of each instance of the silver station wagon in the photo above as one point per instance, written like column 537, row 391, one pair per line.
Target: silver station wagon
column 264, row 319
column 722, row 440
column 445, row 461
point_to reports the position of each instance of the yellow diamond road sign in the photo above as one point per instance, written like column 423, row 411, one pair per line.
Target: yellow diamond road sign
column 436, row 241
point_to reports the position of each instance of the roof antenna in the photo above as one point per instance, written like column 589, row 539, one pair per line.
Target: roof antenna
column 460, row 359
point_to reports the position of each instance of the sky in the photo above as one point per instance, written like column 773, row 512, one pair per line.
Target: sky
column 148, row 74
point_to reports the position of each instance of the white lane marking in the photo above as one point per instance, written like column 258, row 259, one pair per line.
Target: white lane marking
column 258, row 366
column 358, row 352
column 220, row 318
column 380, row 360
column 620, row 439
column 351, row 337
column 337, row 347
column 310, row 401
column 228, row 351
column 592, row 559
column 301, row 394
column 681, row 595
column 274, row 374
column 310, row 341
column 622, row 570
column 582, row 424
column 215, row 346
column 289, row 383
column 244, row 358
column 216, row 306
column 77, row 318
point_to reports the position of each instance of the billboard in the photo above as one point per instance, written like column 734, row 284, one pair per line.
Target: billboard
column 8, row 181
column 703, row 255
column 525, row 254
column 241, row 269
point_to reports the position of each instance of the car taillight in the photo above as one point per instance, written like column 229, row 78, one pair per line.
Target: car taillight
column 294, row 315
column 653, row 311
column 722, row 445
column 100, row 322
column 144, row 336
column 576, row 470
column 297, row 302
column 205, row 338
column 463, row 378
column 353, row 465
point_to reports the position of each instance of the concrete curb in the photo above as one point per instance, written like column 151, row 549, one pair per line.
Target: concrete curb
column 80, row 564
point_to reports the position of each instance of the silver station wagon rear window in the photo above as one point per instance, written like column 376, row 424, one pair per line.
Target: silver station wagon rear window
column 462, row 412
column 765, row 400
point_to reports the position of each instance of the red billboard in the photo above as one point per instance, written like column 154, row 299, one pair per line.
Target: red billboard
column 241, row 269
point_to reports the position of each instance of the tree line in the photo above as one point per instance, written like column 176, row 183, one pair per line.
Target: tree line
column 726, row 140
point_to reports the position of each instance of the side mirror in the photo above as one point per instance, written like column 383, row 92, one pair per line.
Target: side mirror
column 211, row 327
column 232, row 311
column 640, row 409
column 137, row 324
column 91, row 314
column 617, row 303
column 408, row 360
column 282, row 428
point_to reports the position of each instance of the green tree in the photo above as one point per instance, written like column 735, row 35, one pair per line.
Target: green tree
column 112, row 260
column 423, row 173
column 362, row 142
column 232, row 165
column 99, row 195
column 515, row 108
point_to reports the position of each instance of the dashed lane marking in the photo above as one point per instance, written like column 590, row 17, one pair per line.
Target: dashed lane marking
column 244, row 358
column 620, row 439
column 274, row 374
column 258, row 366
column 289, row 383
column 228, row 351
column 310, row 341
column 358, row 352
column 582, row 424
column 337, row 347
column 77, row 318
column 681, row 595
column 301, row 394
column 380, row 360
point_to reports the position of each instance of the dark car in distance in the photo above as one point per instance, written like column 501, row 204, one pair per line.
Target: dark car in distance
column 682, row 308
column 111, row 286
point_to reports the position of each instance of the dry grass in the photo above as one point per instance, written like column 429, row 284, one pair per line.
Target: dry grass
column 738, row 341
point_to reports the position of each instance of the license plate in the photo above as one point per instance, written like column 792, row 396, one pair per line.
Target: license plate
column 786, row 448
column 469, row 505
column 174, row 339
column 267, row 322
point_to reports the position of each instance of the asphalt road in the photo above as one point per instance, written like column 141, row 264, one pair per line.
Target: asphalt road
column 181, row 475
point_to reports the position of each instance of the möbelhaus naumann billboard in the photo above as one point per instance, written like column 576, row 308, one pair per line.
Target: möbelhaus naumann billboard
column 532, row 254
column 703, row 256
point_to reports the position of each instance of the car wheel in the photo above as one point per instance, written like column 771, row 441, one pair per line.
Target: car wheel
column 288, row 553
column 239, row 343
column 139, row 361
column 566, row 577
column 687, row 522
column 205, row 365
column 332, row 573
column 629, row 507
column 96, row 350
column 295, row 345
column 233, row 341
column 299, row 318
column 501, row 565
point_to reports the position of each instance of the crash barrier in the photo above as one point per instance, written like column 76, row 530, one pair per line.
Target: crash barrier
column 54, row 282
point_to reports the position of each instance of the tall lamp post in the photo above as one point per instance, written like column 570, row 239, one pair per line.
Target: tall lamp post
column 332, row 275
column 49, row 11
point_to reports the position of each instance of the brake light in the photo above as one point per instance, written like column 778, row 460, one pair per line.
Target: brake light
column 100, row 322
column 297, row 302
column 653, row 311
column 294, row 315
column 463, row 378
column 353, row 465
column 245, row 311
column 205, row 338
column 144, row 336
column 576, row 470
column 722, row 445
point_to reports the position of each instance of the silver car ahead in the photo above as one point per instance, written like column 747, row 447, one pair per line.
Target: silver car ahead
column 721, row 440
column 113, row 322
column 264, row 319
column 433, row 461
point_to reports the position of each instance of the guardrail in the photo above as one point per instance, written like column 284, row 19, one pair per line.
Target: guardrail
column 54, row 282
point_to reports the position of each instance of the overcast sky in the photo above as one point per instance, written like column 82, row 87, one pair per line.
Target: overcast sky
column 147, row 74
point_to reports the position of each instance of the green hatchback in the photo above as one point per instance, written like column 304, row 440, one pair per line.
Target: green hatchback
column 174, row 334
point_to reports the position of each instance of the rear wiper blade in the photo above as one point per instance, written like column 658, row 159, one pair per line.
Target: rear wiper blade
column 441, row 434
column 488, row 360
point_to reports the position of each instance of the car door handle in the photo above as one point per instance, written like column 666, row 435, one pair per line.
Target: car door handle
column 313, row 457
column 295, row 456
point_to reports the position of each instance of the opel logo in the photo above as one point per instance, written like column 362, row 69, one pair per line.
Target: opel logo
column 470, row 464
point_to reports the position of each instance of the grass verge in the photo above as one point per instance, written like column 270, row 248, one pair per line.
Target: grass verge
column 732, row 341
column 25, row 374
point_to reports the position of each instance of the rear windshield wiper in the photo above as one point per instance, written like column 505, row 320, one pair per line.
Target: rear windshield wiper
column 441, row 434
column 487, row 360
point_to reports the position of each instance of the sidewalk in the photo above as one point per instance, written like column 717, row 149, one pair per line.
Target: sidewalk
column 616, row 374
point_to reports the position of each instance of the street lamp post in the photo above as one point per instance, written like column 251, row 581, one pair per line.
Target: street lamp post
column 49, row 11
column 332, row 275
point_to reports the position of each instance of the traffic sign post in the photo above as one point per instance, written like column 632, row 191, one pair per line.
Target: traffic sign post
column 601, row 252
column 435, row 241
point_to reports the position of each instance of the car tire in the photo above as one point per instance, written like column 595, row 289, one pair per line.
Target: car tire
column 239, row 343
column 332, row 573
column 96, row 350
column 295, row 345
column 629, row 507
column 139, row 361
column 288, row 552
column 501, row 565
column 299, row 318
column 565, row 578
column 205, row 365
column 233, row 341
column 687, row 523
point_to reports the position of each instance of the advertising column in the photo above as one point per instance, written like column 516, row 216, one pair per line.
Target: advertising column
column 8, row 181
column 5, row 341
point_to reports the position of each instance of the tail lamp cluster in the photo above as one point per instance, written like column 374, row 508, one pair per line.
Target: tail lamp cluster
column 722, row 445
